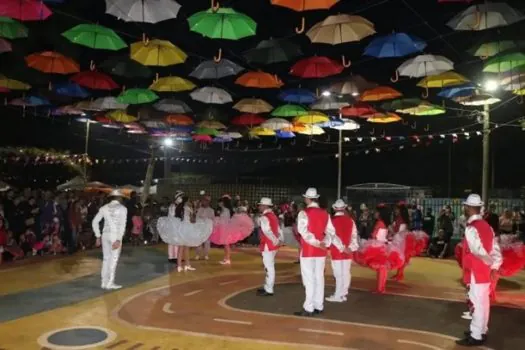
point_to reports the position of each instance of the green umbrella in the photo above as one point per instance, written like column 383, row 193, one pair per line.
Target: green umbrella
column 95, row 37
column 206, row 131
column 504, row 62
column 402, row 103
column 289, row 111
column 493, row 48
column 225, row 23
column 137, row 96
column 11, row 29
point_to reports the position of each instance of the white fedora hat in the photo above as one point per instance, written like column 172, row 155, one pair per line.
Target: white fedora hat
column 178, row 194
column 266, row 201
column 311, row 193
column 116, row 193
column 339, row 205
column 473, row 200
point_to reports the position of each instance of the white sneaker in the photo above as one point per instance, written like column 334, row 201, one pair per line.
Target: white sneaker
column 197, row 257
column 103, row 286
column 225, row 262
column 189, row 268
column 334, row 299
column 206, row 258
column 466, row 316
column 180, row 268
column 113, row 286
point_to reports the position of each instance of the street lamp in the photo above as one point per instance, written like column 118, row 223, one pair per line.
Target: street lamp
column 326, row 93
column 491, row 85
column 167, row 142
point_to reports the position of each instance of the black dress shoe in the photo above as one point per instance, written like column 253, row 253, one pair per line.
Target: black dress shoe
column 483, row 336
column 303, row 313
column 172, row 261
column 469, row 341
column 318, row 312
column 263, row 293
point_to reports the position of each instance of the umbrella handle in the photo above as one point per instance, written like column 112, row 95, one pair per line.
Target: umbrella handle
column 443, row 103
column 383, row 134
column 215, row 5
column 395, row 79
column 373, row 131
column 156, row 78
column 345, row 63
column 50, row 86
column 293, row 142
column 520, row 100
column 413, row 126
column 300, row 30
column 427, row 128
column 404, row 122
column 92, row 66
column 218, row 58
column 425, row 93
column 145, row 39
column 483, row 57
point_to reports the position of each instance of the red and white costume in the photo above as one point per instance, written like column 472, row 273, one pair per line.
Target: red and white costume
column 315, row 227
column 270, row 235
column 346, row 231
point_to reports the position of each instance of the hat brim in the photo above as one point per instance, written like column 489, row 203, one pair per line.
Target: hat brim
column 267, row 204
column 475, row 205
column 339, row 208
column 310, row 197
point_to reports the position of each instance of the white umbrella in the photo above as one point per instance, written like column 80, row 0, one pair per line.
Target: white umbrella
column 485, row 16
column 149, row 11
column 329, row 103
column 347, row 125
column 171, row 105
column 276, row 124
column 424, row 65
column 212, row 95
column 105, row 103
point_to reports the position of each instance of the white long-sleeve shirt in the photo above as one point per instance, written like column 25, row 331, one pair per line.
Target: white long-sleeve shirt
column 266, row 229
column 492, row 258
column 354, row 237
column 309, row 237
column 114, row 215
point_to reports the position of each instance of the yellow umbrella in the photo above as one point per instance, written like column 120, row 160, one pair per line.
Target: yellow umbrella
column 253, row 105
column 121, row 116
column 172, row 84
column 520, row 92
column 13, row 84
column 211, row 124
column 260, row 131
column 441, row 80
column 312, row 117
column 383, row 118
column 157, row 53
column 311, row 130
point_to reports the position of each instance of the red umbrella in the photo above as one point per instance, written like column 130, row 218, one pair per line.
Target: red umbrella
column 25, row 10
column 4, row 90
column 316, row 67
column 94, row 80
column 357, row 110
column 248, row 119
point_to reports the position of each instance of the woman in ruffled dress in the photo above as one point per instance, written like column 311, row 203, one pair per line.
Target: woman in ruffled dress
column 228, row 229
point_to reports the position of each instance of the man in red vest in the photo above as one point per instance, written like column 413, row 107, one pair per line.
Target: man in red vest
column 317, row 234
column 482, row 259
column 346, row 230
column 270, row 237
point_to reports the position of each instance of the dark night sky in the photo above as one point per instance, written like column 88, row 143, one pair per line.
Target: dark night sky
column 421, row 165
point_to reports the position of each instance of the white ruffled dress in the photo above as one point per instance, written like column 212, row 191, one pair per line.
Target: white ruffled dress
column 179, row 232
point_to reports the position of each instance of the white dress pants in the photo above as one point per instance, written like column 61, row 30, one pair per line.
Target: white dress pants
column 312, row 273
column 268, row 258
column 343, row 277
column 479, row 295
column 109, row 262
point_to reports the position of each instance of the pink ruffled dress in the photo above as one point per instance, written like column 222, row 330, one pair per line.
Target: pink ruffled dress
column 230, row 230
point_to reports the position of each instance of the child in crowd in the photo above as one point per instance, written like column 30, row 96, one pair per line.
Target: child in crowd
column 136, row 230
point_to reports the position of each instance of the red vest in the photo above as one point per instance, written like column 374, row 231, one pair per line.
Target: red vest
column 379, row 225
column 343, row 225
column 274, row 226
column 317, row 221
column 479, row 268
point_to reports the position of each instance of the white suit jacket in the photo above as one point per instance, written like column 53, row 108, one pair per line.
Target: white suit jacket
column 114, row 215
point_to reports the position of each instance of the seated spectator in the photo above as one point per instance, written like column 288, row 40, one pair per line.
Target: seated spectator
column 12, row 249
column 438, row 246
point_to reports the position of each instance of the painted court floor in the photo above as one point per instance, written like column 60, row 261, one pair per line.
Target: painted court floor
column 57, row 304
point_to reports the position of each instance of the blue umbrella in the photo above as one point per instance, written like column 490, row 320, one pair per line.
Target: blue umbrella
column 458, row 91
column 222, row 139
column 70, row 90
column 300, row 96
column 333, row 122
column 284, row 134
column 394, row 45
column 36, row 101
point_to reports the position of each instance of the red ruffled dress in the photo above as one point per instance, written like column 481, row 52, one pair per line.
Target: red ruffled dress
column 413, row 242
column 377, row 253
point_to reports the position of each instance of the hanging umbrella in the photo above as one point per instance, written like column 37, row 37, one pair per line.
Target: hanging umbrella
column 353, row 85
column 329, row 103
column 222, row 23
column 210, row 124
column 400, row 104
column 300, row 96
column 312, row 117
column 357, row 110
column 24, row 10
column 11, row 29
column 284, row 134
column 441, row 80
column 478, row 100
column 260, row 80
column 70, row 89
column 174, row 106
column 95, row 36
column 485, row 16
column 379, row 94
column 121, row 116
column 305, row 5
column 94, row 80
column 123, row 66
column 247, row 119
column 157, row 53
column 206, row 131
column 422, row 66
column 145, row 11
column 202, row 138
column 137, row 96
column 85, row 106
column 172, row 84
column 52, row 62
column 5, row 46
column 383, row 118
column 276, row 124
column 513, row 82
column 394, row 45
column 179, row 120
column 316, row 67
column 211, row 95
column 107, row 103
column 273, row 51
column 253, row 105
column 348, row 125
column 260, row 131
column 493, row 48
column 422, row 109
column 67, row 110
column 216, row 70
column 289, row 111
column 311, row 130
column 504, row 62
column 31, row 101
column 458, row 91
column 13, row 84
column 4, row 90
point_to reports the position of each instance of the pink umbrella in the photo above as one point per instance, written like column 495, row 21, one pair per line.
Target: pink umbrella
column 202, row 138
column 4, row 90
column 5, row 46
column 25, row 10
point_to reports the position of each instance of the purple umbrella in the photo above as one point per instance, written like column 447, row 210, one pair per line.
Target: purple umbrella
column 5, row 46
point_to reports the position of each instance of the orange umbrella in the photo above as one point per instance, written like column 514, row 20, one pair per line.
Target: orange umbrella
column 380, row 93
column 259, row 80
column 305, row 5
column 179, row 119
column 52, row 62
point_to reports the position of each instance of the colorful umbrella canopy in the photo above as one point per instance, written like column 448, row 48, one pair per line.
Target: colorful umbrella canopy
column 316, row 67
column 52, row 62
column 329, row 103
column 157, row 53
column 458, row 91
column 353, row 85
column 289, row 111
column 172, row 84
column 423, row 109
column 478, row 100
column 253, row 106
column 443, row 80
column 401, row 104
column 216, row 70
column 300, row 96
column 13, row 84
column 211, row 95
column 504, row 62
column 340, row 29
column 24, row 10
column 311, row 117
column 137, row 96
column 121, row 116
column 179, row 120
column 425, row 65
column 210, row 124
column 5, row 46
column 30, row 101
column 4, row 90
column 493, row 48
column 348, row 125
column 357, row 110
column 260, row 80
column 380, row 93
column 108, row 103
column 485, row 16
column 247, row 119
column 95, row 36
column 123, row 66
column 273, row 51
column 69, row 89
column 276, row 124
column 311, row 130
column 224, row 23
column 170, row 105
column 394, row 45
column 11, row 29
column 94, row 80
column 146, row 11
column 260, row 131
column 383, row 118
column 305, row 5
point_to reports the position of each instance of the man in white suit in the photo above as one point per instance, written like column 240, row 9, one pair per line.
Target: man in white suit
column 114, row 215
